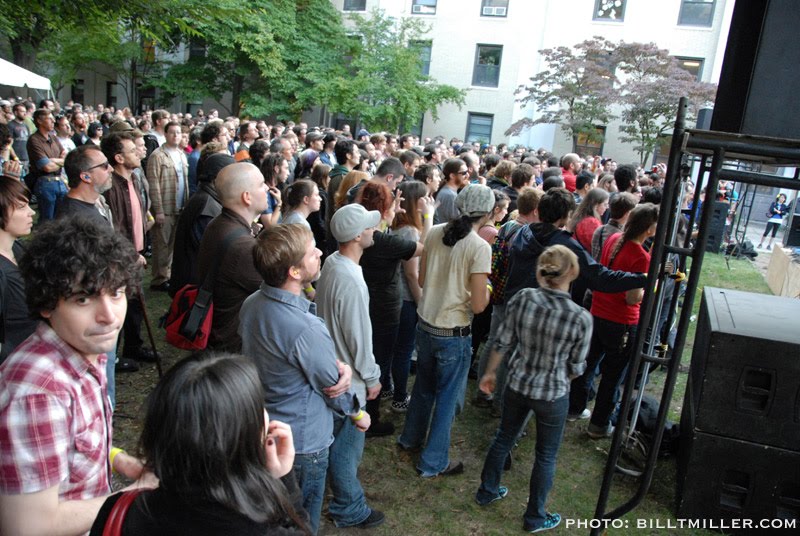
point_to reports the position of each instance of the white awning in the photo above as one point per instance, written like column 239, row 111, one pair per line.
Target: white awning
column 16, row 76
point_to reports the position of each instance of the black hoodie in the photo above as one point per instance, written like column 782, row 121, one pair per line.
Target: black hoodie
column 533, row 239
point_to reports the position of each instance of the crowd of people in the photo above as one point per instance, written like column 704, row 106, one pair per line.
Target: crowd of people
column 339, row 263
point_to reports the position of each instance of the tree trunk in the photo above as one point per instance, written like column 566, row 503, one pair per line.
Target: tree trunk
column 24, row 53
column 236, row 92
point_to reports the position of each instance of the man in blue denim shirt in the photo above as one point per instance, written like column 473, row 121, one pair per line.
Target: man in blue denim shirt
column 304, row 385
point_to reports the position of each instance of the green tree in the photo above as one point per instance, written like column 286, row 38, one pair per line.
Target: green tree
column 27, row 25
column 653, row 84
column 273, row 60
column 383, row 85
column 575, row 91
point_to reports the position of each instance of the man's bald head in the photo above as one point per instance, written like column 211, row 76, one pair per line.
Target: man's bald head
column 234, row 180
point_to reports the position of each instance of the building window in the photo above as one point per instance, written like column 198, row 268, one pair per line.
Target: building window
column 613, row 10
column 693, row 66
column 696, row 12
column 494, row 8
column 591, row 144
column 354, row 5
column 77, row 92
column 487, row 65
column 479, row 128
column 423, row 7
column 424, row 49
column 197, row 49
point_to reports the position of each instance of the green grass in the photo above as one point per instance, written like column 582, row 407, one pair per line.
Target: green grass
column 446, row 505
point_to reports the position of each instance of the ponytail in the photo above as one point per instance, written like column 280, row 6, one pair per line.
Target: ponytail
column 458, row 229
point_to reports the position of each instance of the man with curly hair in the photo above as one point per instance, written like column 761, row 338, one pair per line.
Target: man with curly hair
column 55, row 416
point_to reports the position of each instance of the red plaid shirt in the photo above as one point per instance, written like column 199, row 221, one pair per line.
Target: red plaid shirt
column 55, row 420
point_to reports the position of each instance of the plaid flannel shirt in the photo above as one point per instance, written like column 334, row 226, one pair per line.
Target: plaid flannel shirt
column 55, row 420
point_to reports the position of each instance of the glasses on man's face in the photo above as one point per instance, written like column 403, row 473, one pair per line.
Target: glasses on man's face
column 463, row 172
column 104, row 165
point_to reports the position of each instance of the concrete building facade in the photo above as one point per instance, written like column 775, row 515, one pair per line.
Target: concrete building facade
column 490, row 47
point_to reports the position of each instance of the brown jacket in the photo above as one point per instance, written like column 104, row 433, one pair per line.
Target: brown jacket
column 118, row 199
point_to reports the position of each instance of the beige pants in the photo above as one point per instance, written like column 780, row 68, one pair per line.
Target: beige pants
column 163, row 237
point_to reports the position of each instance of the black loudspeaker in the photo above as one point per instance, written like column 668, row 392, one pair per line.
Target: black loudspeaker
column 716, row 232
column 744, row 381
column 791, row 237
column 740, row 425
column 757, row 91
column 727, row 479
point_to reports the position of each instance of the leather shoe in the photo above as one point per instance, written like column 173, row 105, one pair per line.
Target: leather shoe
column 453, row 468
column 144, row 354
column 126, row 365
column 380, row 429
column 163, row 287
column 374, row 519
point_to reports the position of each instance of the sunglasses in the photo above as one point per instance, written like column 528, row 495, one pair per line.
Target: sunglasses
column 104, row 165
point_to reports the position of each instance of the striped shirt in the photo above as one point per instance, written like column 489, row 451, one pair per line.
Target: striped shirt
column 550, row 335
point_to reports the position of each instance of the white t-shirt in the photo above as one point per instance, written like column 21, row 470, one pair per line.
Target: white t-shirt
column 446, row 295
column 177, row 159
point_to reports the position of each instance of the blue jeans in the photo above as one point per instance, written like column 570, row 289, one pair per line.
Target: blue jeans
column 403, row 348
column 438, row 395
column 550, row 420
column 310, row 471
column 49, row 193
column 348, row 505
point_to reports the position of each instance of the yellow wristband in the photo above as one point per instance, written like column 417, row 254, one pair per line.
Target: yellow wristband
column 490, row 287
column 359, row 416
column 427, row 216
column 112, row 455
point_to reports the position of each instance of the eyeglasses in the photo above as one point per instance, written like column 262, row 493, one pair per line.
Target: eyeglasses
column 104, row 165
column 465, row 172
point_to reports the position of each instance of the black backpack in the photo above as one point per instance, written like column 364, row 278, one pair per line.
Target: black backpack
column 151, row 144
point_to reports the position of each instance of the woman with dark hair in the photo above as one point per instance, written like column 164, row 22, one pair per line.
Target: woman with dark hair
column 380, row 264
column 545, row 334
column 777, row 210
column 16, row 221
column 412, row 224
column 616, row 316
column 320, row 176
column 223, row 467
column 275, row 169
column 305, row 163
column 95, row 133
column 302, row 199
column 453, row 273
column 587, row 217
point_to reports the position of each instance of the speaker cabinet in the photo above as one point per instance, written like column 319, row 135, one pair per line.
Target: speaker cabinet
column 744, row 381
column 716, row 231
column 791, row 237
column 757, row 92
column 722, row 479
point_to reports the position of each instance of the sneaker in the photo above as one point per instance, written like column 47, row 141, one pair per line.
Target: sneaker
column 502, row 491
column 482, row 401
column 583, row 415
column 402, row 405
column 551, row 521
column 374, row 519
column 597, row 432
column 387, row 395
column 380, row 429
column 769, row 247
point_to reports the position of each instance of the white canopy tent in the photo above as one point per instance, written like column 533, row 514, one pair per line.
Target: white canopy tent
column 15, row 76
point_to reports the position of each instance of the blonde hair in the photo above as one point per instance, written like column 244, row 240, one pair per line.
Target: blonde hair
column 556, row 265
